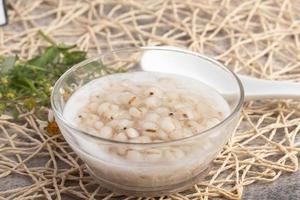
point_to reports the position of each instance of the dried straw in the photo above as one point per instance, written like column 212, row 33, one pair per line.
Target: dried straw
column 261, row 38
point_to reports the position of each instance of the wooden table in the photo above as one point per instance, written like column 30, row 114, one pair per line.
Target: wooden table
column 286, row 187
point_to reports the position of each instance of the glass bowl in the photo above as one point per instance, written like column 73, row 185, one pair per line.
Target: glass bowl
column 148, row 178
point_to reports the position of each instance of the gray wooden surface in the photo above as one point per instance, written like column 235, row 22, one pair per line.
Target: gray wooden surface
column 286, row 187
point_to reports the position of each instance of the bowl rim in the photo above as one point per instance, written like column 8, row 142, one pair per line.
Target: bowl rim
column 232, row 114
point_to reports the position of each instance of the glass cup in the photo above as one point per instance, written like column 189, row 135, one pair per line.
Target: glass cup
column 191, row 156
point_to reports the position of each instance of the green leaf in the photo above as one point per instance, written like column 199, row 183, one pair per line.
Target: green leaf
column 33, row 67
column 7, row 64
column 71, row 58
column 47, row 57
column 22, row 81
column 65, row 47
column 46, row 37
column 2, row 108
column 15, row 113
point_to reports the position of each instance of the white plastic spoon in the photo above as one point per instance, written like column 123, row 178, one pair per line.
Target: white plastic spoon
column 265, row 89
column 187, row 63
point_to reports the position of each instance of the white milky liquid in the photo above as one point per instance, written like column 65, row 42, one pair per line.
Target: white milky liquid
column 81, row 97
column 188, row 159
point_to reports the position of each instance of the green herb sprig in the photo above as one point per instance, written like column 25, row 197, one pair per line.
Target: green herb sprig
column 27, row 84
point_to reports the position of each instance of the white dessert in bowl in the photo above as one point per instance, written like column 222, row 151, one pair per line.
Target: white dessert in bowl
column 146, row 133
column 146, row 107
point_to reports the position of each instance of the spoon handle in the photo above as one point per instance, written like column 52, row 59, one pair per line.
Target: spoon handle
column 3, row 13
column 256, row 89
